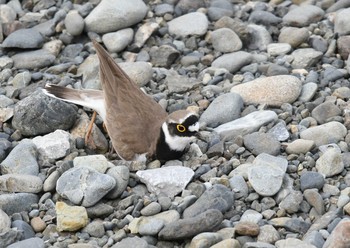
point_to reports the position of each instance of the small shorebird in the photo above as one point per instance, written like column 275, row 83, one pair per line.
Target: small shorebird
column 138, row 126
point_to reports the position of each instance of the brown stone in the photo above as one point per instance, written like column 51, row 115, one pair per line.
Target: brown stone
column 246, row 228
column 38, row 224
column 340, row 236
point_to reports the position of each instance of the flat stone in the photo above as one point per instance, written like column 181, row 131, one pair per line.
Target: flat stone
column 179, row 26
column 305, row 58
column 24, row 38
column 140, row 72
column 324, row 111
column 300, row 146
column 239, row 186
column 224, row 108
column 330, row 163
column 293, row 36
column 131, row 242
column 15, row 183
column 163, row 56
column 96, row 162
column 303, row 16
column 276, row 49
column 54, row 145
column 246, row 124
column 24, row 227
column 315, row 200
column 90, row 187
column 233, row 62
column 219, row 38
column 311, row 179
column 270, row 90
column 247, row 228
column 111, row 16
column 70, row 218
column 169, row 180
column 33, row 59
column 341, row 24
column 31, row 242
column 258, row 143
column 144, row 32
column 189, row 227
column 204, row 239
column 292, row 242
column 118, row 41
column 308, row 91
column 17, row 202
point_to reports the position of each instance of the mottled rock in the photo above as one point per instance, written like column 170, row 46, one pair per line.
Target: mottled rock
column 15, row 183
column 305, row 58
column 70, row 218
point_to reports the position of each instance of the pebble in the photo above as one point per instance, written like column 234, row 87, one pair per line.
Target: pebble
column 121, row 176
column 330, row 163
column 74, row 23
column 118, row 41
column 341, row 24
column 247, row 228
column 239, row 186
column 276, row 49
column 305, row 57
column 31, row 242
column 233, row 61
column 260, row 37
column 36, row 59
column 268, row 234
column 315, row 200
column 219, row 36
column 70, row 218
column 86, row 191
column 140, row 72
column 311, row 179
column 20, row 183
column 270, row 90
column 205, row 239
column 303, row 16
column 169, row 180
column 300, row 146
column 24, row 39
column 258, row 143
column 131, row 242
column 292, row 242
column 226, row 243
column 293, row 36
column 38, row 224
column 323, row 112
column 308, row 91
column 109, row 17
column 17, row 202
column 226, row 107
column 151, row 209
column 179, row 26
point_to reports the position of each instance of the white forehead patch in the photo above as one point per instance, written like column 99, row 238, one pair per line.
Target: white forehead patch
column 194, row 127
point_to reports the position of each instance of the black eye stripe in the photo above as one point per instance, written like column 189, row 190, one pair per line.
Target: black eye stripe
column 190, row 120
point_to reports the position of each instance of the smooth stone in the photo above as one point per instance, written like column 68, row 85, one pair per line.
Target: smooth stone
column 308, row 91
column 41, row 114
column 95, row 229
column 169, row 180
column 179, row 26
column 205, row 239
column 21, row 80
column 131, row 242
column 342, row 93
column 219, row 38
column 339, row 236
column 305, row 58
column 270, row 90
column 343, row 46
column 31, row 242
column 291, row 224
column 291, row 203
column 5, row 222
column 7, row 14
column 219, row 8
column 163, row 56
column 330, row 163
column 233, row 62
column 227, row 243
column 121, row 176
column 303, row 16
column 292, row 242
column 33, row 59
column 268, row 234
column 342, row 22
column 300, row 146
column 24, row 38
column 5, row 101
column 258, row 143
column 21, row 160
column 293, row 36
column 260, row 37
column 311, row 179
column 251, row 216
column 151, row 227
column 90, row 187
column 324, row 111
column 279, row 131
column 180, row 84
column 189, row 227
column 144, row 32
column 17, row 202
column 327, row 133
column 246, row 124
column 246, row 228
column 257, row 245
column 74, row 23
column 6, row 62
column 315, row 200
column 23, row 226
column 224, row 108
column 70, row 218
column 151, row 209
column 276, row 49
column 273, row 169
column 111, row 15
column 118, row 41
column 140, row 72
column 239, row 186
column 54, row 145
column 264, row 17
column 17, row 183
column 38, row 224
column 96, row 162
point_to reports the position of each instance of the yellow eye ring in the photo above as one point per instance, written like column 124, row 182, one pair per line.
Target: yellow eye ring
column 180, row 128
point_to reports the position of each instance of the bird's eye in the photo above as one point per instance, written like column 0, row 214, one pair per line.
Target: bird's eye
column 180, row 128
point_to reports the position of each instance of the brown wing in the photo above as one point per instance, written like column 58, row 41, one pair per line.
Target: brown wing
column 133, row 119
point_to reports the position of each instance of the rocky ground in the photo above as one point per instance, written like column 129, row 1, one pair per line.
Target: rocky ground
column 269, row 80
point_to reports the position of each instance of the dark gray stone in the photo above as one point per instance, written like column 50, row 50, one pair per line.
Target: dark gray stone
column 163, row 56
column 264, row 17
column 18, row 202
column 41, row 114
column 258, row 143
column 324, row 111
column 28, row 231
column 131, row 242
column 24, row 38
column 9, row 237
column 31, row 242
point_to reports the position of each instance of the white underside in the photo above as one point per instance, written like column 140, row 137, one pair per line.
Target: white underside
column 176, row 143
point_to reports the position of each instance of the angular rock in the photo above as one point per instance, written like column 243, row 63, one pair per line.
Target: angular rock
column 163, row 56
column 340, row 236
column 169, row 180
column 291, row 203
column 5, row 222
column 270, row 90
column 70, row 218
column 84, row 186
column 324, row 111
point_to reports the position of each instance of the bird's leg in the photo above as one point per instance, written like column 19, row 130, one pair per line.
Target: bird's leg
column 88, row 138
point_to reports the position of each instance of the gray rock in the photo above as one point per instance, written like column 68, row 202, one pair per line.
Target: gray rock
column 33, row 59
column 189, row 227
column 23, row 226
column 303, row 16
column 180, row 84
column 41, row 114
column 151, row 209
column 7, row 14
column 53, row 145
column 219, row 8
column 291, row 203
column 218, row 197
column 251, row 216
column 279, row 131
column 268, row 234
column 300, row 146
column 275, row 70
column 118, row 41
column 239, row 186
column 258, row 143
column 111, row 16
column 246, row 124
column 330, row 163
column 74, row 23
column 327, row 133
column 260, row 37
column 314, row 238
column 6, row 62
column 90, row 187
column 95, row 229
column 140, row 72
column 5, row 222
column 315, row 200
column 206, row 238
column 342, row 22
column 163, row 56
column 24, row 38
column 276, row 49
column 179, row 26
column 233, row 62
column 31, row 242
column 220, row 37
column 305, row 58
column 22, row 80
column 100, row 210
column 21, row 160
column 264, row 17
column 292, row 242
column 224, row 108
column 169, row 180
column 343, row 46
column 151, row 227
column 121, row 177
column 96, row 162
column 15, row 183
column 270, row 90
column 131, row 242
column 324, row 111
column 311, row 179
column 163, row 8
column 5, row 101
column 50, row 181
column 144, row 33
column 308, row 91
column 10, row 237
column 17, row 202
column 293, row 36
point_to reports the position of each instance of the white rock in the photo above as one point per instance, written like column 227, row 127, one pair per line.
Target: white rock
column 53, row 145
column 194, row 23
column 74, row 23
column 97, row 162
column 330, row 163
column 117, row 41
column 275, row 49
column 169, row 180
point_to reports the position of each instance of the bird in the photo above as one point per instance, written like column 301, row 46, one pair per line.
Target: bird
column 138, row 127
